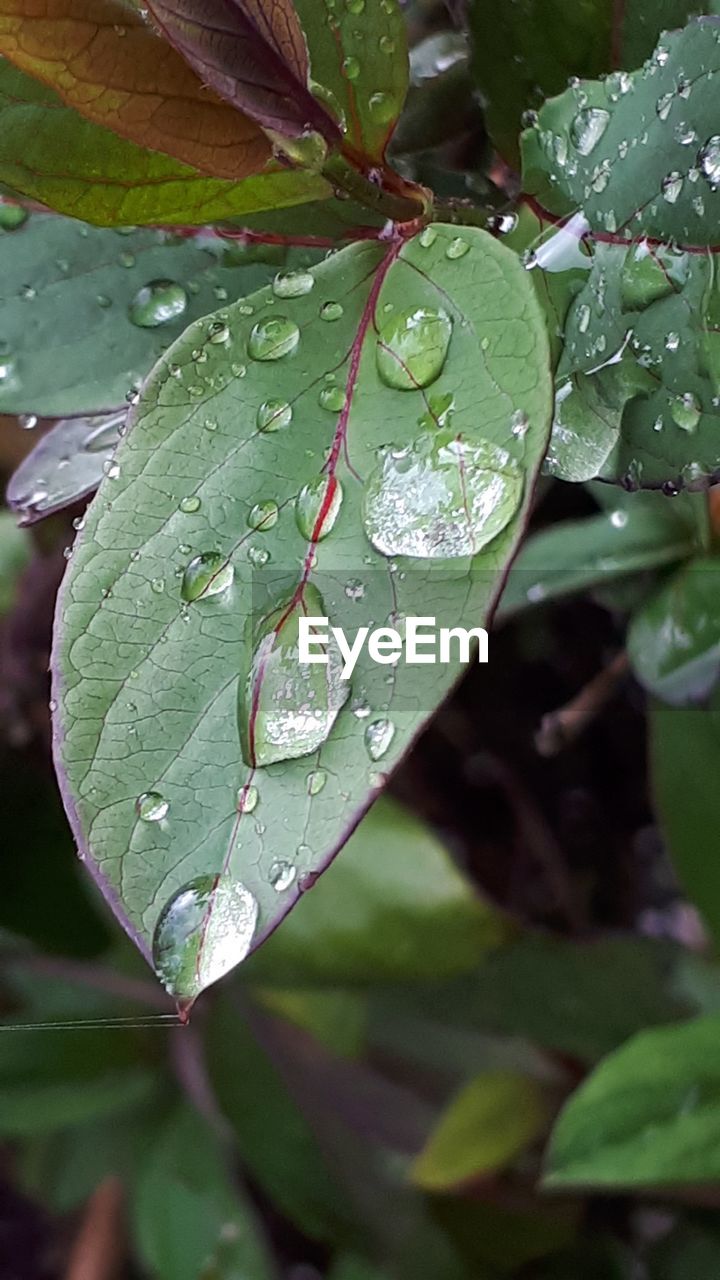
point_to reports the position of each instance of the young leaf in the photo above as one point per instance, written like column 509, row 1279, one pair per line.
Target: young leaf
column 674, row 639
column 87, row 311
column 349, row 475
column 105, row 61
column 67, row 464
column 50, row 153
column 254, row 56
column 639, row 153
column 648, row 1116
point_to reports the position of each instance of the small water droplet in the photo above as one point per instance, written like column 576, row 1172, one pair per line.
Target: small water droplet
column 588, row 128
column 672, row 341
column 157, row 585
column 204, row 930
column 331, row 311
column 686, row 411
column 258, row 556
column 282, row 874
column 315, row 782
column 219, row 333
column 412, row 347
column 151, row 806
column 12, row 216
column 457, row 248
column 207, row 574
column 386, row 44
column 351, row 68
column 378, row 736
column 332, row 398
column 293, row 284
column 317, row 507
column 190, row 504
column 672, row 186
column 27, row 420
column 427, row 237
column 273, row 338
column 382, row 107
column 355, row 590
column 157, row 303
column 263, row 515
column 247, row 798
column 273, row 414
column 709, row 161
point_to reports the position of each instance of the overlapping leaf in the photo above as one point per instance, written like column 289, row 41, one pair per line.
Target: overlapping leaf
column 104, row 60
column 395, row 400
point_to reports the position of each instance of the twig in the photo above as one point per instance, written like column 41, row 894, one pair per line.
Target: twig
column 559, row 728
column 99, row 1249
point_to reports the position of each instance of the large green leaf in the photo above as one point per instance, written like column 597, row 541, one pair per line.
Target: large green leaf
column 393, row 908
column 49, row 153
column 86, row 311
column 674, row 639
column 637, row 152
column 649, row 1115
column 210, row 540
column 685, row 756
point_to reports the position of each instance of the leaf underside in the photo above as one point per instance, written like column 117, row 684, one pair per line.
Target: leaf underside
column 146, row 684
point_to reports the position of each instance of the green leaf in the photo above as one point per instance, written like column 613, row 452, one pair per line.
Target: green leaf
column 393, row 908
column 49, row 153
column 358, row 57
column 87, row 311
column 674, row 639
column 649, row 1115
column 647, row 532
column 685, row 756
column 30, row 1109
column 526, row 52
column 484, row 1128
column 637, row 152
column 14, row 556
column 189, row 1218
column 214, row 541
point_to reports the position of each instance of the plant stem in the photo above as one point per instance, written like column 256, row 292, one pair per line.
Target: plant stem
column 396, row 208
column 458, row 213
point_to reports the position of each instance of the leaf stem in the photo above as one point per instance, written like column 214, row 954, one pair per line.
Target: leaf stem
column 395, row 208
column 458, row 213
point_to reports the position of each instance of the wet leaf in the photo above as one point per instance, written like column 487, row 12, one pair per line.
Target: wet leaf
column 50, row 153
column 190, row 1216
column 393, row 908
column 674, row 639
column 66, row 465
column 87, row 311
column 484, row 1128
column 638, row 151
column 110, row 65
column 254, row 56
column 188, row 781
column 649, row 1115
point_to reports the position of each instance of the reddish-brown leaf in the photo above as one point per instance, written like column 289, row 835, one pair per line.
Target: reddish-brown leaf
column 107, row 63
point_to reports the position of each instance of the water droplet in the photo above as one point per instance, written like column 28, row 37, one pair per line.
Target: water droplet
column 672, row 341
column 219, row 333
column 351, row 68
column 355, row 590
column 263, row 516
column 111, row 468
column 445, row 497
column 332, row 398
column 457, row 248
column 190, row 504
column 258, row 556
column 382, row 107
column 151, row 806
column 315, row 782
column 157, row 585
column 686, row 411
column 27, row 420
column 588, row 128
column 684, row 133
column 331, row 311
column 519, row 424
column 378, row 736
column 205, row 929
column 386, row 44
column 207, row 574
column 293, row 284
column 317, row 507
column 663, row 105
column 273, row 414
column 709, row 161
column 247, row 798
column 12, row 216
column 273, row 338
column 672, row 186
column 286, row 708
column 282, row 875
column 157, row 303
column 412, row 347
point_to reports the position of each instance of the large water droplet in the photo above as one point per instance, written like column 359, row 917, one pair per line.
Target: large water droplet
column 152, row 807
column 205, row 929
column 412, row 347
column 588, row 128
column 207, row 574
column 273, row 414
column 444, row 497
column 286, row 708
column 157, row 303
column 317, row 507
column 709, row 161
column 293, row 284
column 457, row 248
column 378, row 736
column 273, row 338
column 247, row 799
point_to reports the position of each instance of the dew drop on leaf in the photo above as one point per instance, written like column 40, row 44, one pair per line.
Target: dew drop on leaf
column 709, row 161
column 457, row 248
column 157, row 303
column 207, row 574
column 273, row 338
column 588, row 128
column 332, row 398
column 282, row 875
column 293, row 284
column 315, row 782
column 331, row 311
column 412, row 347
column 263, row 515
column 317, row 507
column 204, row 930
column 12, row 216
column 427, row 237
column 686, row 411
column 445, row 497
column 151, row 806
column 190, row 504
column 382, row 107
column 273, row 414
column 672, row 187
column 378, row 736
column 247, row 799
column 351, row 68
